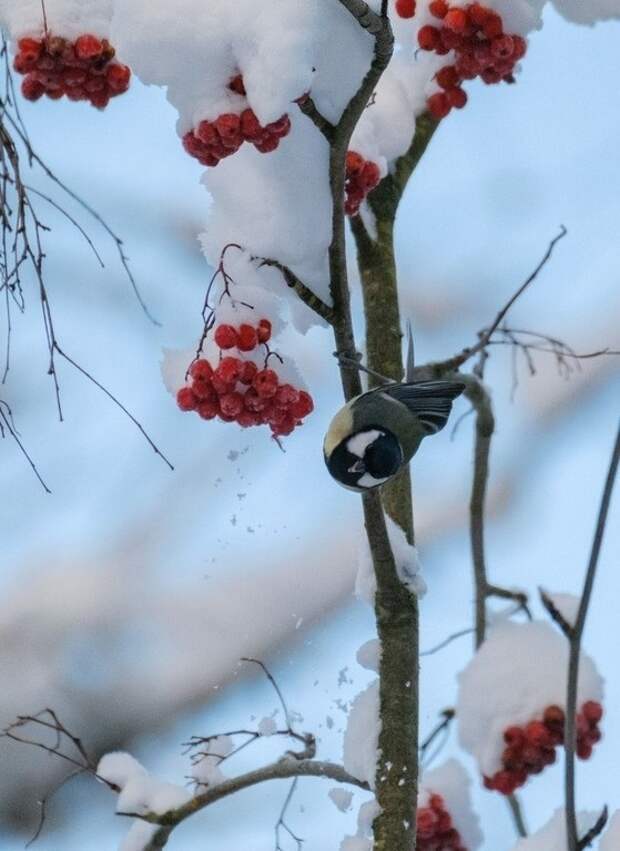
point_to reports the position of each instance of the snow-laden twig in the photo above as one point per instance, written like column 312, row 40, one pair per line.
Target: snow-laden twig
column 574, row 842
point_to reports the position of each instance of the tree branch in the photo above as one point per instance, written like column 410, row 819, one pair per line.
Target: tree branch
column 309, row 108
column 575, row 649
column 305, row 293
column 284, row 769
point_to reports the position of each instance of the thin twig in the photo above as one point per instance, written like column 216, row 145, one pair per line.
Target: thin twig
column 575, row 649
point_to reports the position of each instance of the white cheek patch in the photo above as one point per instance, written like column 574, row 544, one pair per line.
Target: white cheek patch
column 358, row 444
column 368, row 481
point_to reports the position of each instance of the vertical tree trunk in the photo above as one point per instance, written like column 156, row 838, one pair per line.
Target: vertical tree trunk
column 396, row 608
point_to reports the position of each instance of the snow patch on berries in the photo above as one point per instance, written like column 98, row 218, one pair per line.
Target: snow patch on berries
column 253, row 198
column 611, row 837
column 452, row 783
column 69, row 18
column 361, row 737
column 552, row 837
column 519, row 672
column 407, row 565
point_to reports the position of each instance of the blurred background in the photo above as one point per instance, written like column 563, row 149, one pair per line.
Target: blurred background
column 128, row 595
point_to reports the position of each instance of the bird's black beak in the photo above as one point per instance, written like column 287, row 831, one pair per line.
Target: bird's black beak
column 358, row 467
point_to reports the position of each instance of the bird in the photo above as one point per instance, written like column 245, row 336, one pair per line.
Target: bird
column 378, row 432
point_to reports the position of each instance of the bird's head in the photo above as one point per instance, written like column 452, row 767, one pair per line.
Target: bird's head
column 365, row 459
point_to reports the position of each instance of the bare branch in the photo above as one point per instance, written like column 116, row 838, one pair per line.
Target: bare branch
column 309, row 108
column 305, row 293
column 597, row 828
column 555, row 614
column 442, row 727
column 575, row 650
column 284, row 769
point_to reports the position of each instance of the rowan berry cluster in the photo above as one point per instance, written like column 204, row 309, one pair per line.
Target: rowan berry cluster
column 236, row 390
column 434, row 827
column 481, row 48
column 361, row 177
column 83, row 69
column 532, row 747
column 212, row 141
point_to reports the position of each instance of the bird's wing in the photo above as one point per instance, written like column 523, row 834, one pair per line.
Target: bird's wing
column 429, row 401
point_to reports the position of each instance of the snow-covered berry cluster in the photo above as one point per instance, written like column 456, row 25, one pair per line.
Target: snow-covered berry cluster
column 237, row 390
column 530, row 748
column 481, row 48
column 405, row 8
column 84, row 69
column 434, row 827
column 212, row 141
column 361, row 177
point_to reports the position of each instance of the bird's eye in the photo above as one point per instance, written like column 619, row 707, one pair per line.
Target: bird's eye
column 383, row 457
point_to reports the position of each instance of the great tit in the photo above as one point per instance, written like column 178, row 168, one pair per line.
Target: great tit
column 374, row 435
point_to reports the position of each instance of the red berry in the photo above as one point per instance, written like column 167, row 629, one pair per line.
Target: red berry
column 426, row 821
column 207, row 133
column 477, row 14
column 228, row 127
column 99, row 99
column 279, row 128
column 267, row 144
column 231, row 404
column 229, row 369
column 493, row 26
column 466, row 67
column 405, row 8
column 490, row 76
column 201, row 369
column 286, row 395
column 504, row 782
column 450, row 39
column 31, row 88
column 514, row 736
column 502, row 47
column 438, row 105
column 370, row 175
column 220, row 386
column 447, row 77
column 283, row 428
column 457, row 97
column 438, row 8
column 354, row 163
column 537, row 734
column 203, row 388
column 247, row 418
column 456, row 20
column 236, row 85
column 88, row 47
column 428, row 37
column 253, row 402
column 118, row 77
column 248, row 372
column 593, row 711
column 263, row 331
column 226, row 337
column 266, row 383
column 303, row 406
column 186, row 400
column 248, row 339
column 251, row 129
column 208, row 409
column 553, row 716
column 584, row 750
